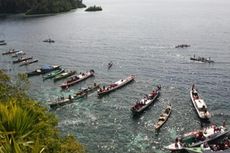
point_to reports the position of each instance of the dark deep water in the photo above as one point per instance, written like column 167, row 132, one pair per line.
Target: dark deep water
column 139, row 37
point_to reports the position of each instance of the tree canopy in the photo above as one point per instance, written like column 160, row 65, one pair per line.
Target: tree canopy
column 27, row 127
column 39, row 6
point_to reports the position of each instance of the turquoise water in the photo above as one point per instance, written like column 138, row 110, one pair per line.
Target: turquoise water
column 139, row 37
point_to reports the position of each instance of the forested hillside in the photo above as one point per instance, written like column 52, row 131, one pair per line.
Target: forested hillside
column 30, row 7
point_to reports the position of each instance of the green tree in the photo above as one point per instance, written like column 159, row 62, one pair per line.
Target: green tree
column 27, row 127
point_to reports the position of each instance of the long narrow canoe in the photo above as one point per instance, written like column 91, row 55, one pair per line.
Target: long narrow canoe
column 10, row 52
column 28, row 62
column 53, row 74
column 163, row 117
column 115, row 86
column 88, row 90
column 64, row 75
column 76, row 79
column 3, row 43
column 145, row 102
column 63, row 101
column 80, row 94
column 22, row 59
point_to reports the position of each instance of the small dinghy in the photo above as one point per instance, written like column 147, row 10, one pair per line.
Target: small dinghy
column 163, row 117
column 110, row 64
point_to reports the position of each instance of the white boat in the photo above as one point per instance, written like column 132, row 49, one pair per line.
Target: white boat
column 115, row 86
column 197, row 137
column 163, row 117
column 76, row 79
column 222, row 146
column 199, row 104
column 19, row 53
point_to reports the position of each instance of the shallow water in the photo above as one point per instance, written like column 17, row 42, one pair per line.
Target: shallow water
column 139, row 37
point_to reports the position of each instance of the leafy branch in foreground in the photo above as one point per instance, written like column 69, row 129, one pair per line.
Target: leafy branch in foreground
column 27, row 127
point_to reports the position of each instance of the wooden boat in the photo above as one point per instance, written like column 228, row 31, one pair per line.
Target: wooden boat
column 198, row 137
column 201, row 59
column 214, row 148
column 53, row 74
column 115, row 86
column 10, row 52
column 22, row 59
column 110, row 64
column 219, row 151
column 28, row 62
column 163, row 117
column 43, row 70
column 146, row 101
column 64, row 75
column 63, row 101
column 80, row 94
column 89, row 89
column 199, row 104
column 76, row 79
column 3, row 43
column 182, row 46
column 49, row 40
column 19, row 53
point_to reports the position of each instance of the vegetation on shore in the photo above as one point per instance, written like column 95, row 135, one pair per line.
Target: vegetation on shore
column 94, row 8
column 27, row 127
column 30, row 7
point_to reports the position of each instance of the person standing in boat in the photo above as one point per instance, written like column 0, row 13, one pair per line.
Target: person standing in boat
column 193, row 87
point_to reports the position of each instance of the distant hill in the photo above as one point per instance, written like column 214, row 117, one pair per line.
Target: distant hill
column 31, row 7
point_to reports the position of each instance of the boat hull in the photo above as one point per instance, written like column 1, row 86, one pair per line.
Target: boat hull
column 135, row 112
column 60, row 76
column 81, row 78
column 126, row 81
column 42, row 71
column 21, row 60
column 10, row 52
column 209, row 134
column 201, row 114
column 53, row 74
column 28, row 62
column 164, row 116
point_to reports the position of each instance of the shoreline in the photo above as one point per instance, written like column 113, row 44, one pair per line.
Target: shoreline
column 4, row 15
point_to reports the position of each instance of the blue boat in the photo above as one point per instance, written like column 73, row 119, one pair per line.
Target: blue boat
column 43, row 70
